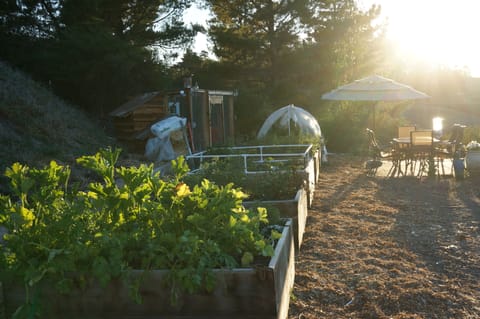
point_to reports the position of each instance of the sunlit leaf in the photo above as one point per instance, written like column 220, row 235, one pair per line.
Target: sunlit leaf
column 232, row 222
column 124, row 195
column 26, row 214
column 268, row 251
column 245, row 218
column 92, row 195
column 183, row 190
column 260, row 244
column 275, row 235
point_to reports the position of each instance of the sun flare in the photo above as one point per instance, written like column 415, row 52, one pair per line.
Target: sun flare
column 438, row 31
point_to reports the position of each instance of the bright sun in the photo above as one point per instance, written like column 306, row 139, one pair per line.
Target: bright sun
column 439, row 31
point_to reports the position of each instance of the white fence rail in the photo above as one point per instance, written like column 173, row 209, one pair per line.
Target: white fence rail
column 296, row 154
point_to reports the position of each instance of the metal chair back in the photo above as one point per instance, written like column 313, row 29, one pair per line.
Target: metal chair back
column 421, row 139
column 422, row 151
column 457, row 134
column 404, row 131
column 376, row 150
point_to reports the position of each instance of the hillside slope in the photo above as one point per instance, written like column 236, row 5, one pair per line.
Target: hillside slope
column 36, row 126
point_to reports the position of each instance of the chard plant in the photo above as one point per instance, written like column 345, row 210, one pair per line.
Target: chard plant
column 62, row 236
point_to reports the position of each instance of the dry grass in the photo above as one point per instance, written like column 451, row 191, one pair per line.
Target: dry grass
column 389, row 248
column 36, row 126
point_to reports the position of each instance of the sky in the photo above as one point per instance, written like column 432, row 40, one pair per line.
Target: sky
column 442, row 32
column 200, row 16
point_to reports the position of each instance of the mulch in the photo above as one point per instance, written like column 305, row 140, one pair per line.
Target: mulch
column 378, row 247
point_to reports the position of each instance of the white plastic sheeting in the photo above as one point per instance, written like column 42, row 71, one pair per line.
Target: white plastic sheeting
column 166, row 126
column 291, row 113
column 159, row 148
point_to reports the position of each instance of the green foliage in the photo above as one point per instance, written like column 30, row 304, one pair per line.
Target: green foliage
column 344, row 127
column 471, row 133
column 252, row 43
column 346, row 41
column 130, row 219
column 96, row 54
column 278, row 181
column 99, row 53
column 263, row 51
column 345, row 123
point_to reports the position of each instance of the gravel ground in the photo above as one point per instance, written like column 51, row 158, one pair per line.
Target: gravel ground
column 378, row 247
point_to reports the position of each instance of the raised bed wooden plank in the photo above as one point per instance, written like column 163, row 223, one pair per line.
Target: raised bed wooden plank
column 255, row 292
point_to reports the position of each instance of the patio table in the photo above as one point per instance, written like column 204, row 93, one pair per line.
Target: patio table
column 407, row 154
column 407, row 141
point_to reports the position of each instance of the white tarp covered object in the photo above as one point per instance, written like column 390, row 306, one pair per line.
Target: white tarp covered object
column 159, row 148
column 291, row 113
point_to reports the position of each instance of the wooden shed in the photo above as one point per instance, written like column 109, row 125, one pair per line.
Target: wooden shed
column 211, row 117
column 209, row 113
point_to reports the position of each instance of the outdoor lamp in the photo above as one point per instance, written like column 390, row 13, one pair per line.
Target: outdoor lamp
column 437, row 125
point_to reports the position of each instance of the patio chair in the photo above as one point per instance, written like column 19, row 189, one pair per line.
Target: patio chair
column 377, row 153
column 404, row 131
column 451, row 148
column 404, row 148
column 422, row 151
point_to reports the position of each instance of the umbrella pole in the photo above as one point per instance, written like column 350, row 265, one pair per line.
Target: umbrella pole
column 373, row 116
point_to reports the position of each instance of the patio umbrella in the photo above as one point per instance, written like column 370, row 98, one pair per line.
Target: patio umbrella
column 374, row 88
column 291, row 113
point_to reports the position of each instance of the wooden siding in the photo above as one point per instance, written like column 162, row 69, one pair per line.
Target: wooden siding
column 129, row 126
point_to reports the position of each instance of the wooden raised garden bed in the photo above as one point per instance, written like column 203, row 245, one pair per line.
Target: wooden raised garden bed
column 257, row 292
column 72, row 253
column 289, row 189
column 263, row 159
column 295, row 208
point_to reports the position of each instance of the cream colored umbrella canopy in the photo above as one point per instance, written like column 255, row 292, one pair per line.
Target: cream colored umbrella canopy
column 374, row 88
column 284, row 116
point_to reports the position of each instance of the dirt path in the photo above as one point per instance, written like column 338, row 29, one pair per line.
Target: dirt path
column 376, row 247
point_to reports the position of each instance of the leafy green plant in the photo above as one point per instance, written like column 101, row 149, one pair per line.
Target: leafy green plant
column 281, row 181
column 128, row 219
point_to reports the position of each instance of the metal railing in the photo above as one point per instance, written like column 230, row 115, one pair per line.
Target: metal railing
column 295, row 154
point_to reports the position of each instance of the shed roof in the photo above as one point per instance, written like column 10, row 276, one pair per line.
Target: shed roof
column 126, row 108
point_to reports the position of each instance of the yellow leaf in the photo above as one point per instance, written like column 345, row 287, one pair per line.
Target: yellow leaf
column 233, row 221
column 239, row 194
column 27, row 214
column 275, row 234
column 121, row 219
column 183, row 190
column 262, row 213
column 92, row 195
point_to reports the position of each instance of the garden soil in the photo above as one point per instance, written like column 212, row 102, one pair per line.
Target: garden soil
column 378, row 247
